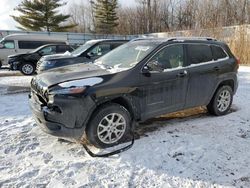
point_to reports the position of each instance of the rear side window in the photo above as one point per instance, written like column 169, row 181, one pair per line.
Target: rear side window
column 218, row 52
column 34, row 44
column 115, row 45
column 30, row 44
column 62, row 48
column 199, row 53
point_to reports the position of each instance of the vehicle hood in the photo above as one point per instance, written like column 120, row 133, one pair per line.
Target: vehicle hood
column 19, row 55
column 69, row 73
column 57, row 56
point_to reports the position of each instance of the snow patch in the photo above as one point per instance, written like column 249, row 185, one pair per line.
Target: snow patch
column 196, row 151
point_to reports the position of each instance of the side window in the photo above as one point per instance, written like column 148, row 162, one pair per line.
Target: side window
column 100, row 49
column 199, row 53
column 62, row 48
column 48, row 50
column 8, row 44
column 115, row 45
column 170, row 57
column 70, row 48
column 30, row 44
column 218, row 52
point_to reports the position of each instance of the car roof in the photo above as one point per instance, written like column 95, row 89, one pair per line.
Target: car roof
column 35, row 37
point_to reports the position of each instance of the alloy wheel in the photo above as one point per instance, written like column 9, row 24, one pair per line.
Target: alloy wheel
column 27, row 69
column 224, row 100
column 111, row 128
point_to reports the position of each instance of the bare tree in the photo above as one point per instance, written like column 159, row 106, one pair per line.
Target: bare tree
column 149, row 16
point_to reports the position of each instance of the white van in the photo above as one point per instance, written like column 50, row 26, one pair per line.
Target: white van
column 22, row 43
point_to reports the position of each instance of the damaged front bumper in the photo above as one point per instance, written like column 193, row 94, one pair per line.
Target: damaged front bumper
column 66, row 117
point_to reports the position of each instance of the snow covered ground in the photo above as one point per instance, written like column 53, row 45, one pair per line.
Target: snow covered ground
column 13, row 82
column 195, row 151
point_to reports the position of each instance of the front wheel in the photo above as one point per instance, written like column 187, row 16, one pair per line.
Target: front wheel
column 109, row 126
column 221, row 101
column 27, row 68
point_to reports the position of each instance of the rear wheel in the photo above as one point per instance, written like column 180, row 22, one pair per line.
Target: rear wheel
column 109, row 126
column 221, row 101
column 27, row 68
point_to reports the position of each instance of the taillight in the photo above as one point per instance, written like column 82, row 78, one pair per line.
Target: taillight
column 238, row 61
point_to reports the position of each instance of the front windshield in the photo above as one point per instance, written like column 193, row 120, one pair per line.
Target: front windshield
column 8, row 44
column 83, row 47
column 127, row 55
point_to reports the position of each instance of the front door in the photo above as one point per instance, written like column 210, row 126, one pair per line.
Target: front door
column 164, row 92
column 7, row 48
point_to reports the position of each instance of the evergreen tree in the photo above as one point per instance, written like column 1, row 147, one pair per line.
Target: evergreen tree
column 41, row 15
column 105, row 16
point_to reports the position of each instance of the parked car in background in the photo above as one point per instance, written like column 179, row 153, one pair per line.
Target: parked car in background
column 22, row 43
column 27, row 62
column 88, row 52
column 137, row 81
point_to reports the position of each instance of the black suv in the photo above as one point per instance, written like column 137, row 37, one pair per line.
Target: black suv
column 86, row 53
column 139, row 80
column 27, row 62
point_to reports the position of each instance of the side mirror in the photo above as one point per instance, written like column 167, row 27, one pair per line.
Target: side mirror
column 90, row 54
column 154, row 66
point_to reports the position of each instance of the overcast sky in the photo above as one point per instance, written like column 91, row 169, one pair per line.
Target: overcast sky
column 7, row 6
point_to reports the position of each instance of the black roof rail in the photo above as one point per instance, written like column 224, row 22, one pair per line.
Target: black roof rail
column 174, row 38
column 192, row 38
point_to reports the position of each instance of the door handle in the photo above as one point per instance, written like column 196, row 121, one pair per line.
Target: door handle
column 216, row 68
column 182, row 74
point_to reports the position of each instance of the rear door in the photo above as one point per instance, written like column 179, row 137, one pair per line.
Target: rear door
column 203, row 72
column 164, row 92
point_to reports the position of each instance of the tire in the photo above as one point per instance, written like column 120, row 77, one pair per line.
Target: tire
column 221, row 101
column 102, row 133
column 27, row 68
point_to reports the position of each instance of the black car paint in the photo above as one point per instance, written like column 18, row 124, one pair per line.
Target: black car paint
column 16, row 60
column 68, row 59
column 144, row 94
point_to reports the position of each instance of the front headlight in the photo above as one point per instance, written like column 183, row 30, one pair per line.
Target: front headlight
column 48, row 63
column 69, row 91
column 11, row 60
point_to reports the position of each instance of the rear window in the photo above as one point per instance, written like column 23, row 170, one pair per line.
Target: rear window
column 218, row 52
column 199, row 53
